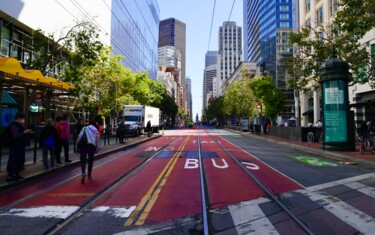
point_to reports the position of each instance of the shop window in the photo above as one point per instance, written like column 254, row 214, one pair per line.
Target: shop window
column 5, row 43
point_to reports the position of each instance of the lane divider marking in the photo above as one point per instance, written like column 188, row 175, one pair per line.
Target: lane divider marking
column 148, row 201
column 71, row 194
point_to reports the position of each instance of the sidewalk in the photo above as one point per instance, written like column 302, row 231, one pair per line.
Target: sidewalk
column 34, row 170
column 366, row 159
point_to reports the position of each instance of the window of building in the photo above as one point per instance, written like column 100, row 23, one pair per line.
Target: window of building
column 319, row 15
column 333, row 6
column 284, row 24
column 284, row 16
column 284, row 8
column 5, row 43
column 308, row 24
column 308, row 5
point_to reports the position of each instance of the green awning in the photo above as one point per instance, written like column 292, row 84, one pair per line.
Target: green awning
column 8, row 99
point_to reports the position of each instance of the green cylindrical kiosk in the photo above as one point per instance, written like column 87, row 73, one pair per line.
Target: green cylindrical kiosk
column 338, row 124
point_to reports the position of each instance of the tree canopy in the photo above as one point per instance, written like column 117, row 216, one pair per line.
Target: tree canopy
column 353, row 19
column 271, row 97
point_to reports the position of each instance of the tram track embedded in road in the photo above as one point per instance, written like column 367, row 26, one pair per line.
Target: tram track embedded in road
column 269, row 194
column 88, row 202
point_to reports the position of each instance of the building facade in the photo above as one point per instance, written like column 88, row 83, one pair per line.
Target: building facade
column 172, row 32
column 131, row 29
column 189, row 101
column 315, row 14
column 208, row 86
column 267, row 27
column 229, row 51
column 251, row 29
column 250, row 67
column 169, row 57
column 210, row 58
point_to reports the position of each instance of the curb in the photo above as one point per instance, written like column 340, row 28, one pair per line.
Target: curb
column 330, row 155
column 41, row 174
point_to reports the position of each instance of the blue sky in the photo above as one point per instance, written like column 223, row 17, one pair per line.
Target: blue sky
column 197, row 14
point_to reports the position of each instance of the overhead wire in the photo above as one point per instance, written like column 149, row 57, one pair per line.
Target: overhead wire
column 212, row 21
column 230, row 14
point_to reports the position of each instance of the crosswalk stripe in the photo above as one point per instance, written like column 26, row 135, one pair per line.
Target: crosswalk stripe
column 369, row 191
column 248, row 217
column 60, row 212
column 339, row 182
column 350, row 215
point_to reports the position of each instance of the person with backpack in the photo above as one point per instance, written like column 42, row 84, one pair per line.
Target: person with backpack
column 17, row 148
column 47, row 140
column 89, row 141
column 63, row 133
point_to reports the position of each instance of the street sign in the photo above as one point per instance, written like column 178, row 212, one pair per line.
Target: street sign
column 314, row 161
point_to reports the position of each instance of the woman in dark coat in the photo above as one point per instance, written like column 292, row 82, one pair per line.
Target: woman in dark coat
column 17, row 149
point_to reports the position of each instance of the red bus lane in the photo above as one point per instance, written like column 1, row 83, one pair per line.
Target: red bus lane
column 142, row 189
column 227, row 183
column 274, row 180
column 180, row 196
column 73, row 192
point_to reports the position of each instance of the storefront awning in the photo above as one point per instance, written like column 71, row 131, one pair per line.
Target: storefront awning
column 13, row 73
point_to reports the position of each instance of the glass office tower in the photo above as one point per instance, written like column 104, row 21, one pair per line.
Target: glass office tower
column 135, row 29
column 267, row 26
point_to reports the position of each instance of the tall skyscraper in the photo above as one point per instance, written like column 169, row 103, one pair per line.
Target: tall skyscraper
column 189, row 101
column 210, row 59
column 229, row 52
column 131, row 29
column 251, row 30
column 209, row 74
column 267, row 25
column 172, row 32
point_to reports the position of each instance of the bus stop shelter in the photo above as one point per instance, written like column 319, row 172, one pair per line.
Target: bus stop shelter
column 15, row 79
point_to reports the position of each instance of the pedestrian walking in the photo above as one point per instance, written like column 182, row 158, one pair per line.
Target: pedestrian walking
column 63, row 135
column 47, row 142
column 90, row 141
column 121, row 131
column 17, row 149
column 149, row 129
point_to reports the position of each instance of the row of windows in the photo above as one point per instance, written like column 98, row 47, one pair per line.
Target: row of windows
column 333, row 5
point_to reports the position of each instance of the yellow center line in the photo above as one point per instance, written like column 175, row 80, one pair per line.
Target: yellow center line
column 150, row 197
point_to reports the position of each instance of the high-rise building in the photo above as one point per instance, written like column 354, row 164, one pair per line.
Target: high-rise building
column 131, row 29
column 229, row 51
column 169, row 57
column 172, row 32
column 251, row 30
column 209, row 74
column 189, row 101
column 210, row 58
column 267, row 26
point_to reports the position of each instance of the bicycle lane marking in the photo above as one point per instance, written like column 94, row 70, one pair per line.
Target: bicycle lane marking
column 226, row 182
column 275, row 180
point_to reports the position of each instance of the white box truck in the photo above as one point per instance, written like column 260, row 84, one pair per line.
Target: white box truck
column 137, row 116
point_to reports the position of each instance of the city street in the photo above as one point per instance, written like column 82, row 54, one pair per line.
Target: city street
column 197, row 181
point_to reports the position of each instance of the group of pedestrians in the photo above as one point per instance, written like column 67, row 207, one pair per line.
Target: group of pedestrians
column 53, row 138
